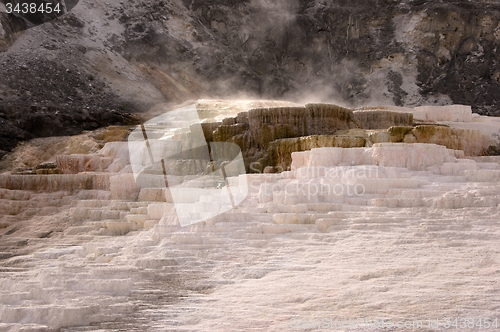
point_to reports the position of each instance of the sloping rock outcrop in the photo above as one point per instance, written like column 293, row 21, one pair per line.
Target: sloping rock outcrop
column 18, row 123
column 142, row 52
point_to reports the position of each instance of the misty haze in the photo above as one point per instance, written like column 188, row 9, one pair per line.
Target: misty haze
column 249, row 165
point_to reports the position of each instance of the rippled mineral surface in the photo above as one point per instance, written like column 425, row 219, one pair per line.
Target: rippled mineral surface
column 390, row 217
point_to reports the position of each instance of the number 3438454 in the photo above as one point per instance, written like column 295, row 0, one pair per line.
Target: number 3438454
column 33, row 8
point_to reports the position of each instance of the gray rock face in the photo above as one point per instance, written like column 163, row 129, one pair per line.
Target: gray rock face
column 10, row 26
column 409, row 53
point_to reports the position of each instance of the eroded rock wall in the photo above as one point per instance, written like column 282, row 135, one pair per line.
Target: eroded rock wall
column 280, row 151
column 257, row 130
column 144, row 52
column 381, row 119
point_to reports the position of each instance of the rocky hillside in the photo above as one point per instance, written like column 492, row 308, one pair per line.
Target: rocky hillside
column 132, row 54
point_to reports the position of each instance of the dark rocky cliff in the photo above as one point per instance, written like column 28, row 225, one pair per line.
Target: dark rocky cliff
column 130, row 55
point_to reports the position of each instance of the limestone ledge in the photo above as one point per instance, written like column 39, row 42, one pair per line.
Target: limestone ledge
column 417, row 156
column 268, row 136
column 56, row 182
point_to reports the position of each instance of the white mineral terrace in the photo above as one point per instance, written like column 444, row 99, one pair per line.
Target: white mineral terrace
column 393, row 232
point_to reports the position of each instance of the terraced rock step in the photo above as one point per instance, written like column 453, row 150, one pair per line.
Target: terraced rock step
column 55, row 182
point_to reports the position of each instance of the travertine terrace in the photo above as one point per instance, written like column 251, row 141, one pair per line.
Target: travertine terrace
column 378, row 213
